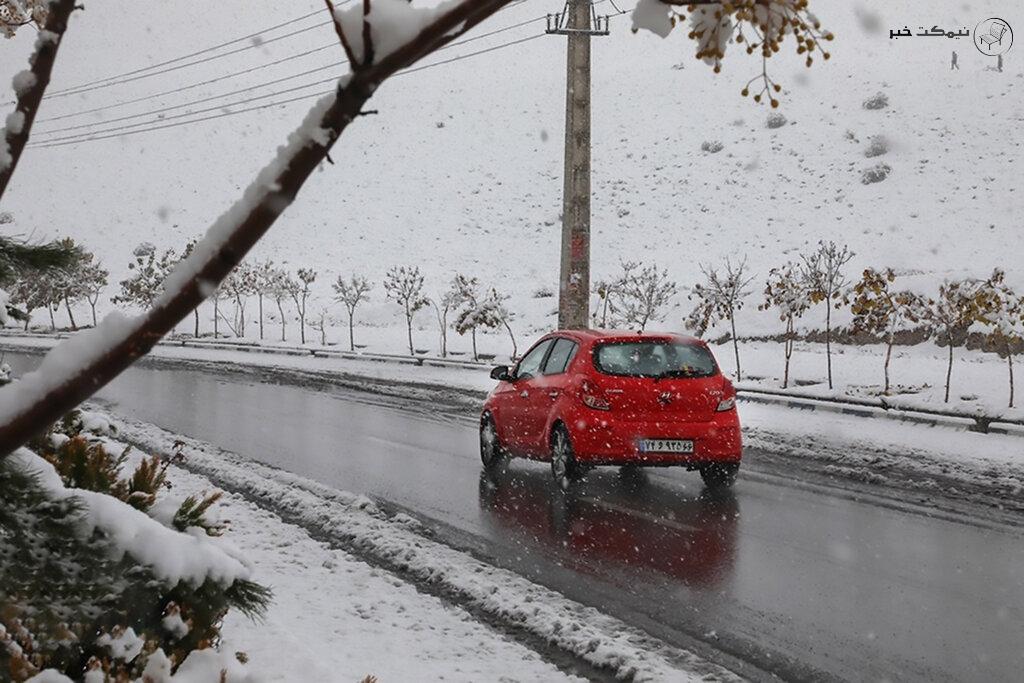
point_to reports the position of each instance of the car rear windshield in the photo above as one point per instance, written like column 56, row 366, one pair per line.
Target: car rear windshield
column 654, row 359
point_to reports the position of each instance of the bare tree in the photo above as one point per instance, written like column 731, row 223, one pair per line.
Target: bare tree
column 718, row 299
column 263, row 284
column 239, row 286
column 185, row 253
column 444, row 305
column 404, row 286
column 785, row 292
column 351, row 293
column 94, row 281
column 824, row 279
column 56, row 388
column 149, row 272
column 503, row 314
column 605, row 290
column 68, row 287
column 299, row 292
column 319, row 324
column 959, row 305
column 1003, row 315
column 281, row 286
column 217, row 295
column 640, row 294
column 467, row 298
column 878, row 309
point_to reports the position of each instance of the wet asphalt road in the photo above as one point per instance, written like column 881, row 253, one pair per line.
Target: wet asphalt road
column 783, row 578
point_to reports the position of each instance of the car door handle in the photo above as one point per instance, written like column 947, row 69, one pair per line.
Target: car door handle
column 553, row 394
column 524, row 393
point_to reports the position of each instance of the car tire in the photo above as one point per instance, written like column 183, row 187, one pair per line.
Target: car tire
column 719, row 475
column 493, row 455
column 564, row 468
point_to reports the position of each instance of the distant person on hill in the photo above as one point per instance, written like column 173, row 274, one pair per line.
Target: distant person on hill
column 954, row 65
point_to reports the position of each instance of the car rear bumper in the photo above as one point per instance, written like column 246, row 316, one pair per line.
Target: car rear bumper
column 603, row 440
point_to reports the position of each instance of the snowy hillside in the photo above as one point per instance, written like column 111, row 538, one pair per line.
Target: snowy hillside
column 461, row 169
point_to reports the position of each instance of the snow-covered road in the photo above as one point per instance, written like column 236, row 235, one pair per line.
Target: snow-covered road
column 802, row 580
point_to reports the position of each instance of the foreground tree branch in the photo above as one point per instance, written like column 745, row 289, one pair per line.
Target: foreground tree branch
column 30, row 89
column 78, row 368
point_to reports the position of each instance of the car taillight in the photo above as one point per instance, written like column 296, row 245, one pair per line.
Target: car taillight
column 726, row 404
column 729, row 400
column 592, row 397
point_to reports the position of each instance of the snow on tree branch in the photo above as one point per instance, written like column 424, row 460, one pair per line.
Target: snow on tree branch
column 79, row 367
column 30, row 85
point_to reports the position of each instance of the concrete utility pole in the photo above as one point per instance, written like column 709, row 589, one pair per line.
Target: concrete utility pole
column 578, row 23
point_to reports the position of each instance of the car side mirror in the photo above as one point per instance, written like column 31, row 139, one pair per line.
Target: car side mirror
column 501, row 373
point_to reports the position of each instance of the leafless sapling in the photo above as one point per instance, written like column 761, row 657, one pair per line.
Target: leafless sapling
column 351, row 293
column 719, row 297
column 404, row 286
column 825, row 280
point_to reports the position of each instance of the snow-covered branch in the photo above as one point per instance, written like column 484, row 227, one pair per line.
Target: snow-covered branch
column 30, row 86
column 78, row 368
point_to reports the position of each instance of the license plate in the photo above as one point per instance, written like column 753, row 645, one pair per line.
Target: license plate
column 665, row 446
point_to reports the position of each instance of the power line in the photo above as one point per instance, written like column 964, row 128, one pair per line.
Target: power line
column 94, row 137
column 123, row 130
column 213, row 48
column 217, row 79
column 161, row 110
column 178, row 67
column 331, row 45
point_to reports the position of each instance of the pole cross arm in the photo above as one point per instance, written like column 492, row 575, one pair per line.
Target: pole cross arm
column 560, row 23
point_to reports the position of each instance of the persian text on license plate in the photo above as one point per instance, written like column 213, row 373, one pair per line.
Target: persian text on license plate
column 666, row 446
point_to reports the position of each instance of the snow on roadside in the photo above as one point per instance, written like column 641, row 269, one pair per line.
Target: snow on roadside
column 334, row 618
column 309, row 572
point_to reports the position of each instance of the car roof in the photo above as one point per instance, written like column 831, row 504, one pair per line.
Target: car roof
column 597, row 335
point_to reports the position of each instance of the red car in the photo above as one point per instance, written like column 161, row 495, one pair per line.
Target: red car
column 583, row 398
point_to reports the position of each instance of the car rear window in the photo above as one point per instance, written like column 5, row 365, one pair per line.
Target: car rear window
column 649, row 358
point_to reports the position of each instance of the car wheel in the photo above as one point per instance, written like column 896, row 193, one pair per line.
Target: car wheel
column 719, row 475
column 564, row 469
column 492, row 453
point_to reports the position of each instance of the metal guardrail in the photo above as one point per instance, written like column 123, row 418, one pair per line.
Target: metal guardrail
column 326, row 353
column 977, row 422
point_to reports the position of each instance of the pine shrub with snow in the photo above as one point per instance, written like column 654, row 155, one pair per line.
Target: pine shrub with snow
column 92, row 580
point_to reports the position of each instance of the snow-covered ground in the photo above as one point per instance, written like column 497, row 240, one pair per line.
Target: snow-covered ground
column 471, row 182
column 335, row 618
